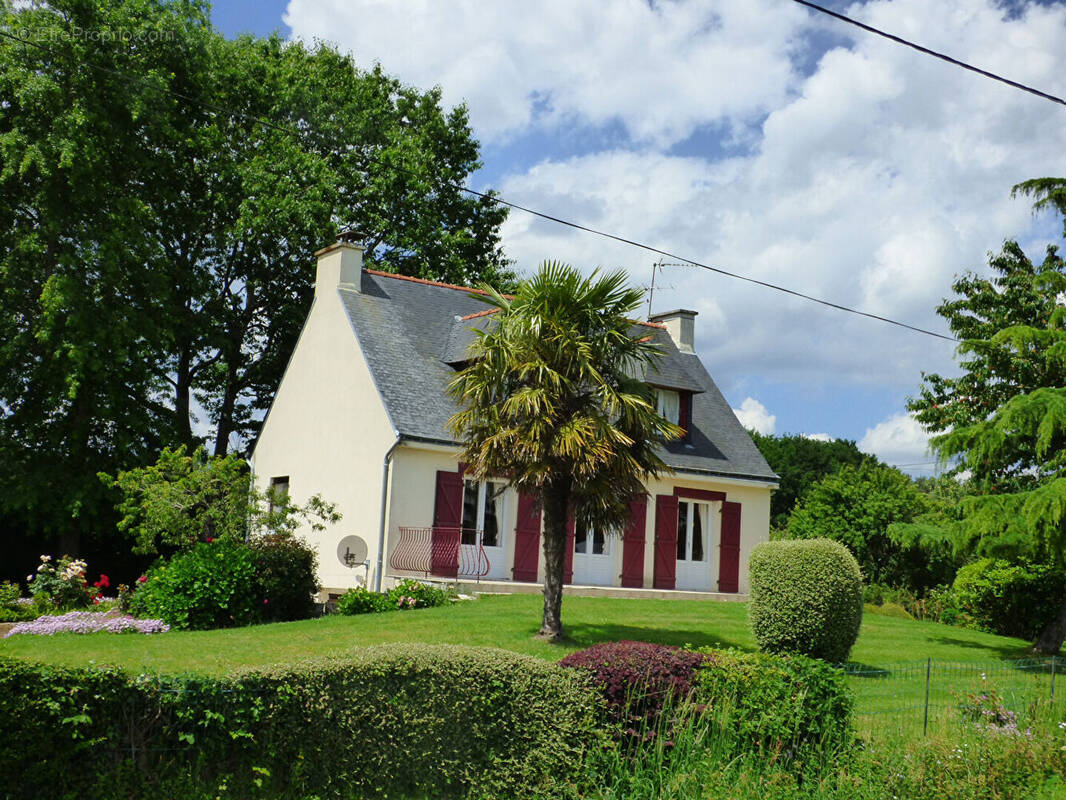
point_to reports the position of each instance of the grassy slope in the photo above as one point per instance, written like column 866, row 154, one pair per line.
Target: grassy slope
column 498, row 621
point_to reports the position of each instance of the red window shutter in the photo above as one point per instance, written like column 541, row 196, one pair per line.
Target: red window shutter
column 729, row 558
column 665, row 541
column 527, row 538
column 568, row 557
column 447, row 518
column 684, row 417
column 633, row 544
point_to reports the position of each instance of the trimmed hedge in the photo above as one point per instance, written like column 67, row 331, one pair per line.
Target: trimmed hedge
column 787, row 706
column 806, row 597
column 397, row 720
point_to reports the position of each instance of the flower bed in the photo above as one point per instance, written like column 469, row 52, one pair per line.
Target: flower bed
column 88, row 622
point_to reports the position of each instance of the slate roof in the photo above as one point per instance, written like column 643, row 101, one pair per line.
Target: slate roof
column 412, row 334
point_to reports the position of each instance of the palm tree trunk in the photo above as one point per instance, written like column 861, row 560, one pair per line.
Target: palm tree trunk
column 556, row 499
column 1051, row 638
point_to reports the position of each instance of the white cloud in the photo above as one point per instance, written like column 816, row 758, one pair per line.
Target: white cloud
column 753, row 414
column 818, row 437
column 661, row 69
column 900, row 439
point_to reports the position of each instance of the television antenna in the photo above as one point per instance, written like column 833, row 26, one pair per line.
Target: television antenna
column 656, row 268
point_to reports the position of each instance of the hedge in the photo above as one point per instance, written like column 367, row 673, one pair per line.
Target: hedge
column 787, row 706
column 390, row 721
column 806, row 598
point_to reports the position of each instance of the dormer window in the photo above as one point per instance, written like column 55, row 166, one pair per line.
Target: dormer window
column 668, row 404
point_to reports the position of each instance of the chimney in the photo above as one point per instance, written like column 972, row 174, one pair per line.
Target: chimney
column 681, row 325
column 339, row 266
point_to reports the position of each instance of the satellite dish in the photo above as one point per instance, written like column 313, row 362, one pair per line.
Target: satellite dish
column 352, row 551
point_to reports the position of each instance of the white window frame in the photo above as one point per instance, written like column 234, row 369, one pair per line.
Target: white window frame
column 482, row 505
column 705, row 530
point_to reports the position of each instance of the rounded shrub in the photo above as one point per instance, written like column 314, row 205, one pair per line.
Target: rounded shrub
column 360, row 600
column 1011, row 599
column 806, row 597
column 213, row 585
column 287, row 574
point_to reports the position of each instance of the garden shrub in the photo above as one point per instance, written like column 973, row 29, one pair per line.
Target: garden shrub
column 360, row 600
column 212, row 585
column 404, row 596
column 409, row 594
column 636, row 679
column 392, row 721
column 806, row 597
column 287, row 571
column 1011, row 599
column 11, row 610
column 60, row 585
column 791, row 706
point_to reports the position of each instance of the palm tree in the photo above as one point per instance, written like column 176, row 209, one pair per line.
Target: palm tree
column 553, row 400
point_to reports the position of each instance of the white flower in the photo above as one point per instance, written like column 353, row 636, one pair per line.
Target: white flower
column 29, row 578
column 46, row 558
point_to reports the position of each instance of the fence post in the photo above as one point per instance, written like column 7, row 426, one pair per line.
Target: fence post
column 928, row 671
column 1053, row 679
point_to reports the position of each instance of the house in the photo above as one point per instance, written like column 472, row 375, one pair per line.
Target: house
column 361, row 418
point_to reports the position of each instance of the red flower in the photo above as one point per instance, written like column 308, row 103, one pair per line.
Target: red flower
column 142, row 579
column 103, row 583
column 210, row 539
column 265, row 601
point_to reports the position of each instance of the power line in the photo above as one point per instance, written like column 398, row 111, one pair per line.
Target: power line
column 933, row 53
column 492, row 197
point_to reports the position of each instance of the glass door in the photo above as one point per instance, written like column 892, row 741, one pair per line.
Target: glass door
column 482, row 517
column 694, row 522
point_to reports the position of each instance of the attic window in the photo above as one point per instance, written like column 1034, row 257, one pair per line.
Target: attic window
column 279, row 492
column 668, row 404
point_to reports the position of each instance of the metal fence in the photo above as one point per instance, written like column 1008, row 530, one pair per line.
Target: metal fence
column 921, row 696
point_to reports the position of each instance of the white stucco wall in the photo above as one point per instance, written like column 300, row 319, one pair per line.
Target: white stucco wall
column 412, row 491
column 328, row 431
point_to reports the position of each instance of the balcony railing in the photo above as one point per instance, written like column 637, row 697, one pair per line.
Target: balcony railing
column 444, row 552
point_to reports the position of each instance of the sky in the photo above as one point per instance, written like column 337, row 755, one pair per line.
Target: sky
column 759, row 137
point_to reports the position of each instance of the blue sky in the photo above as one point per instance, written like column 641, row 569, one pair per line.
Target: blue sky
column 757, row 136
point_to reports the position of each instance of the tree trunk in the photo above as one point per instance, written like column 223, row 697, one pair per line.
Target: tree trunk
column 224, row 423
column 1051, row 638
column 556, row 500
column 183, row 398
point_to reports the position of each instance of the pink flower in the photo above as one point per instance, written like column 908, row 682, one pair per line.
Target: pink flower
column 265, row 601
column 210, row 539
column 142, row 579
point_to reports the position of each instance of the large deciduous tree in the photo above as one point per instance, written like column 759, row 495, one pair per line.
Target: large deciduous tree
column 800, row 462
column 162, row 191
column 553, row 400
column 1004, row 419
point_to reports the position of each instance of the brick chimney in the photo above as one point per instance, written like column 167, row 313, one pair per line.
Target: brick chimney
column 681, row 325
column 339, row 267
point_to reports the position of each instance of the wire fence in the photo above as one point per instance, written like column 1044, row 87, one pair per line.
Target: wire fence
column 924, row 696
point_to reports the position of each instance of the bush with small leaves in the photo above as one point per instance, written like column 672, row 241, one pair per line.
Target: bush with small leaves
column 806, row 597
column 360, row 600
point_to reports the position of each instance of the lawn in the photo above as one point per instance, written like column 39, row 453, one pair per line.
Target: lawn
column 506, row 621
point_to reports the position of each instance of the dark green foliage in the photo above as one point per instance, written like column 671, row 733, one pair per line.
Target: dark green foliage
column 406, row 595
column 11, row 610
column 213, row 585
column 360, row 600
column 806, row 597
column 287, row 577
column 789, row 706
column 395, row 721
column 1011, row 599
column 801, row 462
column 873, row 509
column 637, row 679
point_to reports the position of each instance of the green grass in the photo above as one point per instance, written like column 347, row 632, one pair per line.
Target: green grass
column 507, row 621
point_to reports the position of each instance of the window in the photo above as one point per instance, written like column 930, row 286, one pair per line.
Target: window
column 598, row 544
column 668, row 404
column 279, row 492
column 692, row 519
column 480, row 512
